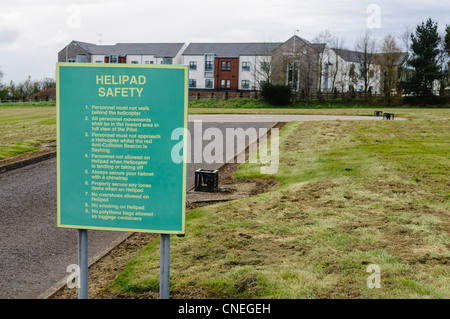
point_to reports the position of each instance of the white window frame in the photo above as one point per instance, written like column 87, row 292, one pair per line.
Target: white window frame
column 225, row 84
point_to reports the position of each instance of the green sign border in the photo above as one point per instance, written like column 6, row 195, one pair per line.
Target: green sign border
column 58, row 128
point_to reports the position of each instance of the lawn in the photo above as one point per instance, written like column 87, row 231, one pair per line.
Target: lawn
column 351, row 195
column 23, row 127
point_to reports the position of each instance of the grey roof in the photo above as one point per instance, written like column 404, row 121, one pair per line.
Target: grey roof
column 231, row 50
column 122, row 49
column 84, row 45
column 354, row 56
column 319, row 47
column 348, row 55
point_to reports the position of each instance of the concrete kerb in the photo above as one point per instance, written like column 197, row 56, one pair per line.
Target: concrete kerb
column 28, row 161
column 62, row 283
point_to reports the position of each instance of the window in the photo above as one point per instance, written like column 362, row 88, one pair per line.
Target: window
column 166, row 60
column 134, row 62
column 98, row 61
column 209, row 62
column 208, row 84
column 209, row 65
column 81, row 58
column 193, row 65
column 265, row 66
column 245, row 66
column 226, row 65
column 293, row 75
column 114, row 58
column 245, row 84
column 225, row 84
column 192, row 83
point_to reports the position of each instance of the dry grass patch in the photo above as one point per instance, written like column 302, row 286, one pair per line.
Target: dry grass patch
column 349, row 194
column 25, row 129
column 345, row 201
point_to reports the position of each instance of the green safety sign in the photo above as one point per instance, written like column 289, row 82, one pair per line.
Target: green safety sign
column 114, row 134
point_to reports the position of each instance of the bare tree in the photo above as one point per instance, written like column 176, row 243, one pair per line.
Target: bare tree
column 342, row 78
column 336, row 44
column 365, row 48
column 405, row 38
column 444, row 60
column 308, row 71
column 388, row 60
column 263, row 65
column 323, row 42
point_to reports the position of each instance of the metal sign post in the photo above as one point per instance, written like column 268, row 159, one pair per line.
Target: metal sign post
column 83, row 263
column 164, row 270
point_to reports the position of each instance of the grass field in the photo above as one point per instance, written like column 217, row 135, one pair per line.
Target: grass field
column 351, row 194
column 24, row 126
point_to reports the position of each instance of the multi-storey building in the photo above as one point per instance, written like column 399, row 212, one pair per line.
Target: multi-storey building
column 228, row 66
column 303, row 65
column 132, row 53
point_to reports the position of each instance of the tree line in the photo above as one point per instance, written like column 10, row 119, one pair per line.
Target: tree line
column 22, row 90
column 412, row 68
column 429, row 60
column 426, row 73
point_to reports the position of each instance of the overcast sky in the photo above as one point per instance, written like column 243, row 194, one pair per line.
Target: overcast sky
column 32, row 32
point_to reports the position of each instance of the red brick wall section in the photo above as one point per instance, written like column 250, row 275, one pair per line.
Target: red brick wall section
column 232, row 75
